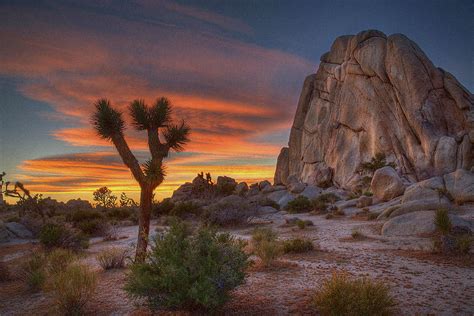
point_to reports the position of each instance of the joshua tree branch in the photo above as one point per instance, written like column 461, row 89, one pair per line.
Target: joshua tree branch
column 128, row 158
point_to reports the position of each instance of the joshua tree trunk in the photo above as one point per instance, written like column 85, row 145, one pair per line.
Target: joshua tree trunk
column 110, row 125
column 146, row 197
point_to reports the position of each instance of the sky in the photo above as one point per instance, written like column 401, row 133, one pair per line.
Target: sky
column 232, row 69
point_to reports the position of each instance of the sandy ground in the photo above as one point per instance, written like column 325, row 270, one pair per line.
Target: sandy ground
column 423, row 283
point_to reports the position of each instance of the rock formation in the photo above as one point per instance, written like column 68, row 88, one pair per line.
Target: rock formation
column 377, row 94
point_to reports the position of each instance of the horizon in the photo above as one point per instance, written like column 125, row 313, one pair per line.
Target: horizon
column 234, row 71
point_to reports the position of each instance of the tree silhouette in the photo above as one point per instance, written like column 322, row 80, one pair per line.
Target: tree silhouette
column 163, row 136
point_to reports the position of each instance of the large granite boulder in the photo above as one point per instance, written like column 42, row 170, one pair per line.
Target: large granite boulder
column 19, row 230
column 386, row 184
column 418, row 223
column 460, row 184
column 372, row 94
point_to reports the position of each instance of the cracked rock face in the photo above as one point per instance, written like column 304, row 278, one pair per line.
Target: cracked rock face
column 371, row 94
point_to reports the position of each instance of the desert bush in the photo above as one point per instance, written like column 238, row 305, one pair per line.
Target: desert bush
column 189, row 270
column 104, row 197
column 367, row 193
column 83, row 215
column 32, row 272
column 300, row 204
column 185, row 208
column 227, row 213
column 372, row 216
column 95, row 227
column 112, row 258
column 377, row 162
column 269, row 202
column 56, row 235
column 297, row 245
column 58, row 260
column 343, row 295
column 121, row 213
column 301, row 224
column 463, row 243
column 355, row 234
column 442, row 221
column 4, row 272
column 72, row 288
column 330, row 198
column 265, row 245
column 163, row 208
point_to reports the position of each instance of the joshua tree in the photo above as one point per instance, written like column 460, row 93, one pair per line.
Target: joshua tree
column 163, row 136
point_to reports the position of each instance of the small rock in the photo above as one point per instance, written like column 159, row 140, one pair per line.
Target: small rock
column 241, row 188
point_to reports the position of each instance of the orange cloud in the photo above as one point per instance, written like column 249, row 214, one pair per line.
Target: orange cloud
column 67, row 176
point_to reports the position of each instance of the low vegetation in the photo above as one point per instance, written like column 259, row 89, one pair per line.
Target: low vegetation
column 297, row 245
column 266, row 245
column 182, row 209
column 112, row 258
column 54, row 235
column 300, row 204
column 189, row 270
column 32, row 272
column 4, row 272
column 343, row 295
column 450, row 240
column 227, row 213
column 72, row 288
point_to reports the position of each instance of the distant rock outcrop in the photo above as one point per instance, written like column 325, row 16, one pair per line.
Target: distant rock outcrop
column 377, row 94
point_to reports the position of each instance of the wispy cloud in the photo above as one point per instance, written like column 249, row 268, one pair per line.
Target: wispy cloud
column 234, row 94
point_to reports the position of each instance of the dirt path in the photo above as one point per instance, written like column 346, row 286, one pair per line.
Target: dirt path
column 421, row 282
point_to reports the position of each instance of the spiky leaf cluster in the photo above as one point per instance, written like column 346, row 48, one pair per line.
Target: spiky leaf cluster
column 107, row 121
column 177, row 135
column 153, row 171
column 145, row 117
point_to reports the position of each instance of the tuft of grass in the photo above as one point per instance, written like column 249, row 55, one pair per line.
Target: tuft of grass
column 266, row 246
column 58, row 260
column 32, row 272
column 185, row 208
column 301, row 224
column 329, row 216
column 355, row 234
column 297, row 245
column 343, row 295
column 73, row 288
column 301, row 204
column 442, row 221
column 269, row 202
column 464, row 243
column 112, row 258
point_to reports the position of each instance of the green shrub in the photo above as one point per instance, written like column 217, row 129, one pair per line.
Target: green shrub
column 372, row 216
column 319, row 206
column 355, row 234
column 342, row 295
column 185, row 208
column 56, row 235
column 297, row 245
column 300, row 204
column 94, row 227
column 85, row 215
column 330, row 198
column 367, row 193
column 4, row 272
column 377, row 162
column 120, row 213
column 192, row 271
column 72, row 288
column 442, row 221
column 163, row 208
column 265, row 245
column 464, row 243
column 32, row 272
column 301, row 224
column 227, row 213
column 112, row 258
